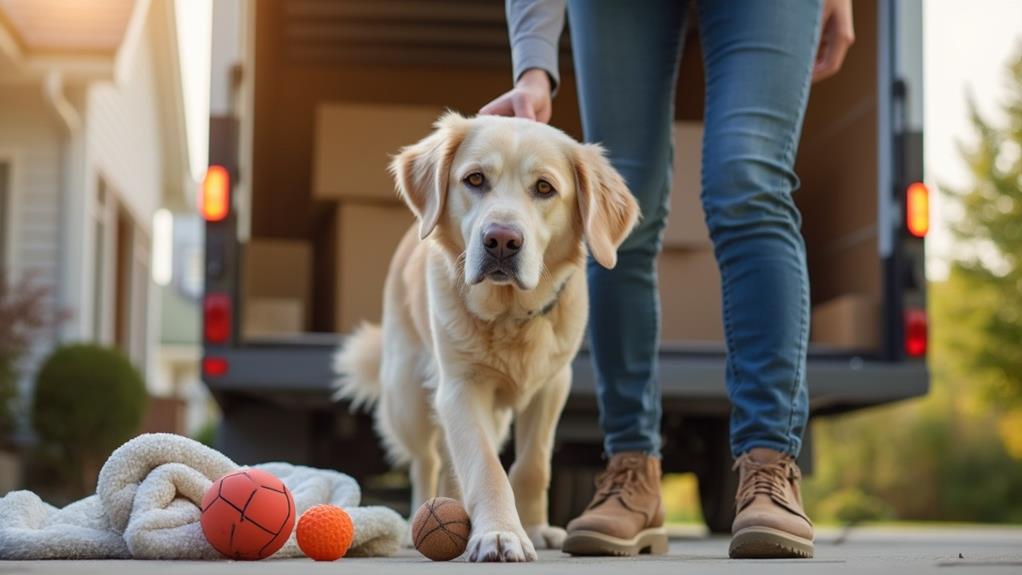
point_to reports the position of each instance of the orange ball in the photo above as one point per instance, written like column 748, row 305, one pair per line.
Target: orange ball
column 325, row 532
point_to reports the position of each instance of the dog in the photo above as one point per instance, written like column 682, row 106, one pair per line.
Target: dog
column 485, row 306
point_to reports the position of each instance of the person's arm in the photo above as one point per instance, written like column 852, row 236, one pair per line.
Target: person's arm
column 534, row 28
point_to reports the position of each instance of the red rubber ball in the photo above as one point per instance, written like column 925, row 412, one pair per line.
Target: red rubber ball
column 248, row 514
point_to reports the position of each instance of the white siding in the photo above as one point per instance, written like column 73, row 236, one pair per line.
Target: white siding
column 30, row 143
column 123, row 136
column 122, row 146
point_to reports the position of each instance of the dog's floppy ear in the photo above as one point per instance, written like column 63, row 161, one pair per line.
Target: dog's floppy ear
column 607, row 209
column 421, row 170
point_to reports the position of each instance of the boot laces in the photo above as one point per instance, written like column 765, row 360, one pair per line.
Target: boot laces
column 771, row 479
column 615, row 482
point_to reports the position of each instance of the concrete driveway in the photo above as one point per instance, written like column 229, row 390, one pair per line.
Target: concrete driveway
column 904, row 551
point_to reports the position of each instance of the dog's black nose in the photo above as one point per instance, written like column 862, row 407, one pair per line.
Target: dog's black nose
column 502, row 241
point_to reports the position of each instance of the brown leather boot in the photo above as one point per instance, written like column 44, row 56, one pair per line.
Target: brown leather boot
column 770, row 521
column 626, row 516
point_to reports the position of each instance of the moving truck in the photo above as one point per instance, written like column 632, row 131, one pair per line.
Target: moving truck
column 308, row 99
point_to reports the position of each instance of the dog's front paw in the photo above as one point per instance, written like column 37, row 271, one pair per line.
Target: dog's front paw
column 500, row 546
column 546, row 537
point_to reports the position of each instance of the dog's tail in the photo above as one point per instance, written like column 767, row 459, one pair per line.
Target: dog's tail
column 357, row 365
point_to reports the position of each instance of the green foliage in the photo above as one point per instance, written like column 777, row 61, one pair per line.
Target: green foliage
column 991, row 224
column 22, row 315
column 944, row 457
column 88, row 400
column 206, row 435
column 851, row 505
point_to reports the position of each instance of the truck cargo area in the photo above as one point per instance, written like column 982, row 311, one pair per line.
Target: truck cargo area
column 324, row 218
column 325, row 91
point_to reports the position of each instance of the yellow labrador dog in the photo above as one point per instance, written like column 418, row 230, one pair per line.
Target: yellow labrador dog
column 484, row 308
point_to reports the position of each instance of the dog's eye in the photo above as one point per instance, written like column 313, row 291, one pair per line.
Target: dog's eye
column 475, row 180
column 544, row 188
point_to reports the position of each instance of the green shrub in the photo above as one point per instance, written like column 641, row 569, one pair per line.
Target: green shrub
column 854, row 506
column 88, row 400
column 206, row 435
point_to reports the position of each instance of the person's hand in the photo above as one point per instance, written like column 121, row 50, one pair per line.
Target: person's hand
column 530, row 98
column 836, row 36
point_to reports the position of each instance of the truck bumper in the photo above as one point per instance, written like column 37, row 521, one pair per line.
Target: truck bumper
column 692, row 382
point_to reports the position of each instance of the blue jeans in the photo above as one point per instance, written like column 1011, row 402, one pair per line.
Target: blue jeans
column 758, row 56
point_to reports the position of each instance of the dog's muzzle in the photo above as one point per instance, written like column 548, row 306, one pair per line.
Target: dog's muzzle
column 503, row 244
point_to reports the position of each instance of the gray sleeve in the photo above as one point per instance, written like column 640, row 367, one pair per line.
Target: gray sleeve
column 534, row 27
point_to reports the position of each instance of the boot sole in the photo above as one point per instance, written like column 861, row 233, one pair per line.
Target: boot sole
column 767, row 543
column 591, row 543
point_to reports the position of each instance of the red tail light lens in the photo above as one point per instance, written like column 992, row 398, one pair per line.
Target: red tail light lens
column 917, row 209
column 915, row 333
column 215, row 200
column 216, row 313
column 214, row 366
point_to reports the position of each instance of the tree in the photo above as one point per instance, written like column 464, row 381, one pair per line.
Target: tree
column 991, row 224
column 22, row 316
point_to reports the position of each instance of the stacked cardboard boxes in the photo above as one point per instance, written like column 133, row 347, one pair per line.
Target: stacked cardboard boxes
column 689, row 279
column 354, row 143
column 277, row 287
column 850, row 322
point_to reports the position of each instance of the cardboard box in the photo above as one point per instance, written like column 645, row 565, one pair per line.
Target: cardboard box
column 686, row 225
column 851, row 321
column 354, row 144
column 690, row 296
column 366, row 237
column 267, row 316
column 276, row 270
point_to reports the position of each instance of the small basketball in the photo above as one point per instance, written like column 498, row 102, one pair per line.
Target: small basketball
column 325, row 532
column 248, row 514
column 440, row 529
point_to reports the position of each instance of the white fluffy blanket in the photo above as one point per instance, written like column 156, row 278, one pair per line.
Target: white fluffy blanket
column 146, row 506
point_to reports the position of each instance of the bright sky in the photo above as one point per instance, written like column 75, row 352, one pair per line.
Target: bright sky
column 194, row 38
column 967, row 46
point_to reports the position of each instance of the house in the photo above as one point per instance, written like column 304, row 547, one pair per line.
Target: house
column 93, row 142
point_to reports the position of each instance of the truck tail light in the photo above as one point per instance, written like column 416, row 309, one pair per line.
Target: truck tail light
column 915, row 333
column 216, row 315
column 214, row 366
column 215, row 196
column 917, row 209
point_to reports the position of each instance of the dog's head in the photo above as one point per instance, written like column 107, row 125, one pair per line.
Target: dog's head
column 511, row 196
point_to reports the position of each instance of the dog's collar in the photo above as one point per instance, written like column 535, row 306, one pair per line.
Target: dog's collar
column 550, row 305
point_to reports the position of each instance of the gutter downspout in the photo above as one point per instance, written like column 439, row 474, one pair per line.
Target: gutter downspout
column 71, row 164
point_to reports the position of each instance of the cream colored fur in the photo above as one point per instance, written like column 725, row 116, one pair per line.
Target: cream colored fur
column 459, row 353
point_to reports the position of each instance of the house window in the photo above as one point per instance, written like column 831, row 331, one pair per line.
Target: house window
column 99, row 263
column 4, row 208
column 131, row 297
